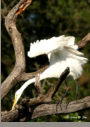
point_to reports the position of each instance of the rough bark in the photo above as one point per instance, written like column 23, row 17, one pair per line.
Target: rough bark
column 18, row 74
column 45, row 109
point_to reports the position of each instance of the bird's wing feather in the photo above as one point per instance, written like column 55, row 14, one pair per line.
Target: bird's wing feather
column 57, row 43
column 73, row 51
column 74, row 46
column 50, row 45
column 65, row 58
column 70, row 40
column 63, row 40
column 69, row 49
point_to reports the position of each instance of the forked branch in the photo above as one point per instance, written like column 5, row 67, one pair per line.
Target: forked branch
column 18, row 74
column 47, row 98
column 25, row 113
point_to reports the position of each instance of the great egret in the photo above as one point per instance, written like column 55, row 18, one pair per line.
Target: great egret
column 62, row 53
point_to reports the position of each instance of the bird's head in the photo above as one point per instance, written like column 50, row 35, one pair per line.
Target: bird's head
column 17, row 96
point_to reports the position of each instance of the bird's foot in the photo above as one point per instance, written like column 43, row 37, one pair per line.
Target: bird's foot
column 68, row 89
column 67, row 103
column 60, row 106
column 76, row 100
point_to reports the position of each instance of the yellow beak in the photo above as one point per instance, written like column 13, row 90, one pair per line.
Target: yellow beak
column 15, row 101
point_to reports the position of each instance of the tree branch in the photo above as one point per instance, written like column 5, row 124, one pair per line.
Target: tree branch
column 38, row 85
column 25, row 76
column 82, row 43
column 47, row 98
column 10, row 23
column 45, row 109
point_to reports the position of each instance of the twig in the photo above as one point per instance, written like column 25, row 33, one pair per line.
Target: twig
column 82, row 43
column 38, row 85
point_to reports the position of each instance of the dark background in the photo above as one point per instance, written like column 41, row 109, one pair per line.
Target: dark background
column 42, row 20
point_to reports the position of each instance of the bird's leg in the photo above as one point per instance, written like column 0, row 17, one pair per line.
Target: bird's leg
column 76, row 90
column 75, row 95
column 68, row 88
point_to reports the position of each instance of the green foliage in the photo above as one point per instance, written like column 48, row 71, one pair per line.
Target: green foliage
column 45, row 19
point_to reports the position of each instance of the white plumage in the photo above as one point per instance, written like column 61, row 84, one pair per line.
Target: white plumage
column 54, row 44
column 62, row 53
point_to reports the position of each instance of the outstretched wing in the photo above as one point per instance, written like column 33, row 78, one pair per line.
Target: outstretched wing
column 53, row 44
column 57, row 43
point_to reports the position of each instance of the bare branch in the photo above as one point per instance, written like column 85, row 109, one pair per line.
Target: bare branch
column 82, row 43
column 43, row 98
column 20, row 65
column 50, row 109
column 25, row 76
column 45, row 109
column 38, row 85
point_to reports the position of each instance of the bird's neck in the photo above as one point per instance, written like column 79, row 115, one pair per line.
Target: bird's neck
column 25, row 85
column 30, row 81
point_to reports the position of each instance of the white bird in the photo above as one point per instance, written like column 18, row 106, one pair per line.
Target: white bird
column 62, row 53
